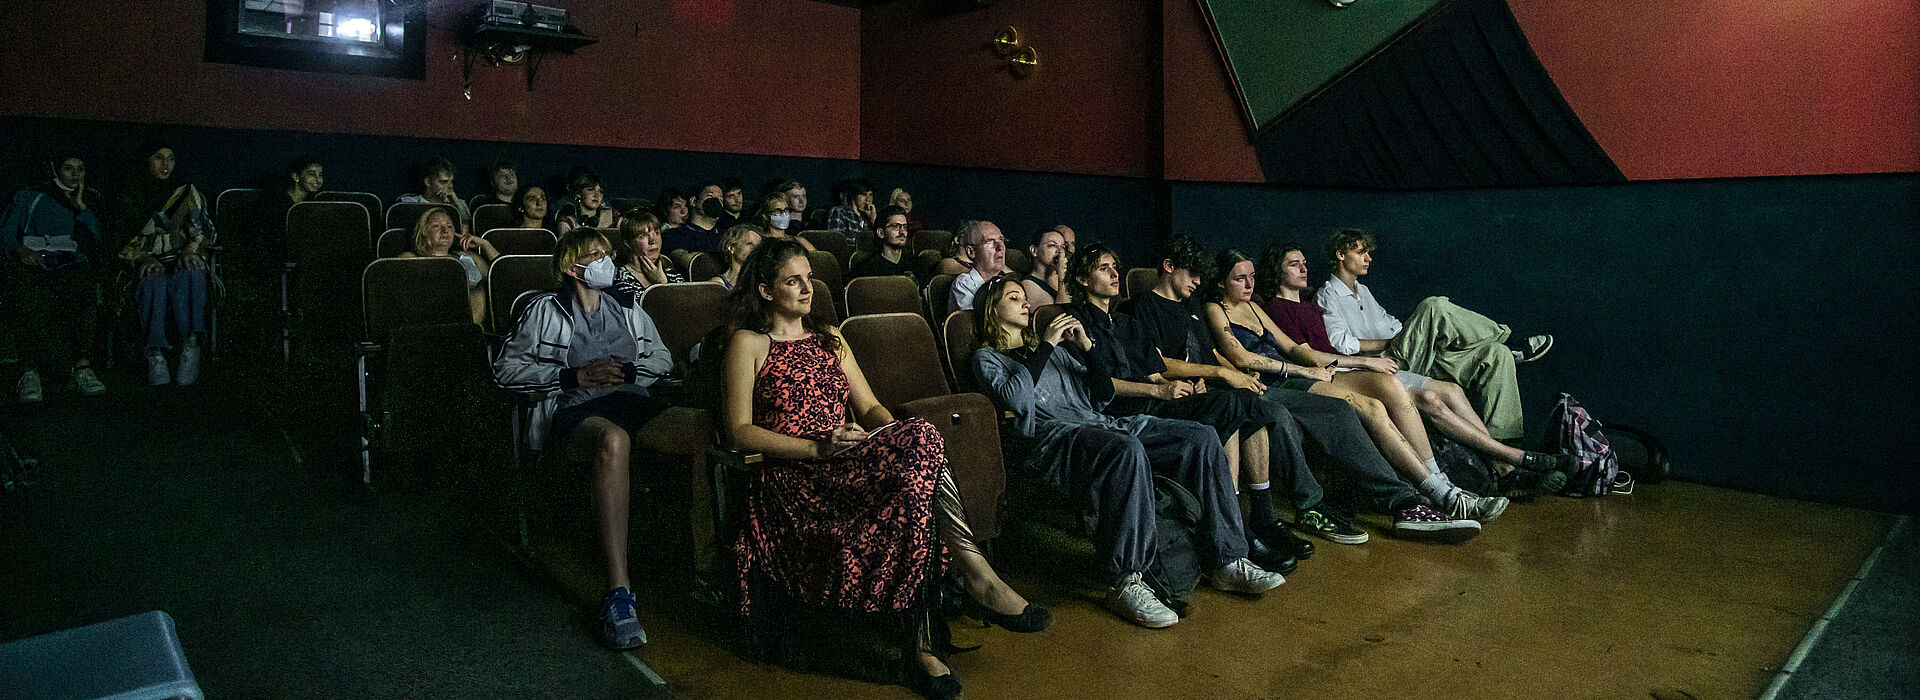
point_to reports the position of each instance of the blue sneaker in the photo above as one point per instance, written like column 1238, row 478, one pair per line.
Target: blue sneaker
column 619, row 624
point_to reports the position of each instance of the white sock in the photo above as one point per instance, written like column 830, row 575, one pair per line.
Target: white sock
column 1437, row 489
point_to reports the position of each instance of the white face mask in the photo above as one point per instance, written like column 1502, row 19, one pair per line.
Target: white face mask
column 599, row 273
column 781, row 220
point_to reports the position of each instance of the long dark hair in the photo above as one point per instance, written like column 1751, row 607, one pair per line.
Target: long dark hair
column 752, row 312
column 1272, row 268
column 1223, row 268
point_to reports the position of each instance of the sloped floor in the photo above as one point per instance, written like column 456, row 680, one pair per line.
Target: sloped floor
column 288, row 579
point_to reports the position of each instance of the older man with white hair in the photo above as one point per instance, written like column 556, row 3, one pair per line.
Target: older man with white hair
column 988, row 247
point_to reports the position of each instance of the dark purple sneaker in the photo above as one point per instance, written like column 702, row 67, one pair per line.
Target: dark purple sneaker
column 1423, row 523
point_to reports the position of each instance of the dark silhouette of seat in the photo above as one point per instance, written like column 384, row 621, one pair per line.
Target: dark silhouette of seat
column 371, row 201
column 488, row 217
column 511, row 276
column 826, row 268
column 394, row 242
column 899, row 355
column 328, row 247
column 1139, row 280
column 520, row 241
column 938, row 289
column 407, row 214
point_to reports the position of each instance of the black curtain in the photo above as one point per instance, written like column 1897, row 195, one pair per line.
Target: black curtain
column 1456, row 100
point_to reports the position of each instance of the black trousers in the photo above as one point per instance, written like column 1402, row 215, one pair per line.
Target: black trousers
column 1336, row 426
column 53, row 313
column 1115, row 470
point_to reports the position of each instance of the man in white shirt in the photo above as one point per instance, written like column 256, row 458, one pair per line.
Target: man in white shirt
column 989, row 249
column 1440, row 340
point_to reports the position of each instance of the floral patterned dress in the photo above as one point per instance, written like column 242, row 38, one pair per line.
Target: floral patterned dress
column 838, row 550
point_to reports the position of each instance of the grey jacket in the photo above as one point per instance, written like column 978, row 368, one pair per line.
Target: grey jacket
column 1050, row 410
column 534, row 357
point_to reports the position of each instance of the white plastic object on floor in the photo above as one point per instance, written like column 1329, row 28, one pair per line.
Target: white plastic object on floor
column 132, row 658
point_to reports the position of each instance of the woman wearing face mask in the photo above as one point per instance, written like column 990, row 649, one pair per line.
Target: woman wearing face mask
column 637, row 259
column 777, row 221
column 50, row 235
column 169, row 236
column 437, row 235
column 586, row 205
column 531, row 206
column 739, row 243
column 593, row 357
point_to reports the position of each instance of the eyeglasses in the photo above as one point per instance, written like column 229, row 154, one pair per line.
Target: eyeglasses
column 893, row 226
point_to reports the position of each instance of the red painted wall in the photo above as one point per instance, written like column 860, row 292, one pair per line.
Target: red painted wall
column 777, row 77
column 1720, row 88
column 1206, row 138
column 933, row 92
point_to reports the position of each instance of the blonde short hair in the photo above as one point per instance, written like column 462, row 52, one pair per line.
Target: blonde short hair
column 572, row 247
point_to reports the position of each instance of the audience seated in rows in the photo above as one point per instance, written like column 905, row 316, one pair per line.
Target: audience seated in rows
column 1172, row 319
column 1248, row 430
column 883, row 251
column 592, row 357
column 776, row 221
column 739, row 243
column 437, row 235
column 586, row 204
column 1054, row 387
column 1443, row 340
column 55, row 246
column 169, row 240
column 1245, row 336
column 1283, row 274
column 265, row 241
column 503, row 181
column 810, row 548
column 531, row 206
column 1046, row 283
column 988, row 249
column 436, row 187
column 853, row 214
column 638, row 259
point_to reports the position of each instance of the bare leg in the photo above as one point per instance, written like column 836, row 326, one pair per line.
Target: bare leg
column 1392, row 394
column 1231, row 446
column 983, row 584
column 1385, row 435
column 1434, row 404
column 477, row 303
column 1253, row 453
column 611, row 446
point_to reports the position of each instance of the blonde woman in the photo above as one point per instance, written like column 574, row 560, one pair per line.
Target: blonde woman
column 438, row 235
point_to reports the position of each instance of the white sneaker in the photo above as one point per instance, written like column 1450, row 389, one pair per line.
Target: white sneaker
column 1242, row 576
column 189, row 371
column 29, row 387
column 1536, row 347
column 1134, row 602
column 88, row 383
column 1465, row 505
column 157, row 369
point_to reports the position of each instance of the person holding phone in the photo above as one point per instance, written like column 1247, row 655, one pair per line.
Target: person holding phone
column 50, row 235
column 840, row 548
column 437, row 234
column 591, row 356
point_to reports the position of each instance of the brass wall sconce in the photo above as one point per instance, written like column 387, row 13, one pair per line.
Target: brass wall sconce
column 1022, row 60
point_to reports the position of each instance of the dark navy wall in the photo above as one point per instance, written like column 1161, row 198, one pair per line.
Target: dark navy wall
column 1765, row 328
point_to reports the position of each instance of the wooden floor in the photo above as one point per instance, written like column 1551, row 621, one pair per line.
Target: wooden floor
column 1679, row 590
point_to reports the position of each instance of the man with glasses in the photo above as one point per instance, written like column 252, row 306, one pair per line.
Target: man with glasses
column 889, row 254
column 989, row 251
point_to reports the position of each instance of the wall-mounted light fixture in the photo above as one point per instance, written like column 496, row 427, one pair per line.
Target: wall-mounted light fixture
column 1022, row 59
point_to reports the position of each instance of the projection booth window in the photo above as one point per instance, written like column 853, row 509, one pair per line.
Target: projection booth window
column 375, row 37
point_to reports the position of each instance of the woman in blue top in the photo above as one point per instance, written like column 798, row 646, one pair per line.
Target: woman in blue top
column 50, row 234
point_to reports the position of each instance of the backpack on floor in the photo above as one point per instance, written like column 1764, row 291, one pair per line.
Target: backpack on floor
column 1570, row 430
column 1639, row 453
column 1176, row 566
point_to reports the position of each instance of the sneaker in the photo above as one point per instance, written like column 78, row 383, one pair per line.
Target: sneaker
column 29, row 387
column 1331, row 524
column 1466, row 505
column 1423, row 523
column 189, row 371
column 1543, row 462
column 87, row 382
column 157, row 369
column 1523, row 483
column 619, row 623
column 1134, row 602
column 1242, row 576
column 1533, row 348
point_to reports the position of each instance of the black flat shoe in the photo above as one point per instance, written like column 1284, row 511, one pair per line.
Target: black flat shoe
column 1281, row 538
column 945, row 687
column 1032, row 619
column 1268, row 558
